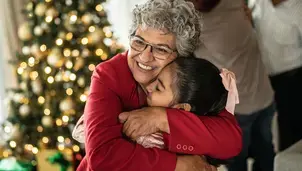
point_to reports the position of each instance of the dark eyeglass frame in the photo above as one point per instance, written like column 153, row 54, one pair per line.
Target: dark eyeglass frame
column 153, row 46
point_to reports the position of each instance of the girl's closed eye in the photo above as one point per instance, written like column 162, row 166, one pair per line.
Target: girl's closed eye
column 157, row 88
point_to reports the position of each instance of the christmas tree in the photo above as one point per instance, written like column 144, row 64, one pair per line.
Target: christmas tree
column 62, row 42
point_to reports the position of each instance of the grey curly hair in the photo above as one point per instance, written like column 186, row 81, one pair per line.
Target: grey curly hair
column 174, row 16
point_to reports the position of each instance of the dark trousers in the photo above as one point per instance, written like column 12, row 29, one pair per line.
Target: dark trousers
column 288, row 97
column 257, row 141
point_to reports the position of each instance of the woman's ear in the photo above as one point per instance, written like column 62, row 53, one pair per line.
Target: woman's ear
column 184, row 106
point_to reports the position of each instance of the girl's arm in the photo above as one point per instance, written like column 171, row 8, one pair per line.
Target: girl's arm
column 215, row 136
column 184, row 132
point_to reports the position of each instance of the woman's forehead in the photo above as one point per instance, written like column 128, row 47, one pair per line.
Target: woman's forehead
column 156, row 36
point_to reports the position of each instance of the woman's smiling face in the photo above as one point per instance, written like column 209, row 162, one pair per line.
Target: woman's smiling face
column 143, row 65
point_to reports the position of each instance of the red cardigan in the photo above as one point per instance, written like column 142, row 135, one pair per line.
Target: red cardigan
column 114, row 90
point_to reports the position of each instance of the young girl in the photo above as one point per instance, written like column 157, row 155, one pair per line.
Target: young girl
column 191, row 84
column 194, row 85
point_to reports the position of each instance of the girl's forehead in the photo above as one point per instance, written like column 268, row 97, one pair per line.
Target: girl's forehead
column 168, row 73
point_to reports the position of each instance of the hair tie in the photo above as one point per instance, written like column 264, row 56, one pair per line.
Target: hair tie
column 229, row 82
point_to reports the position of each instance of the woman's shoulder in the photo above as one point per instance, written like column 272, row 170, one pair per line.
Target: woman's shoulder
column 118, row 61
column 115, row 72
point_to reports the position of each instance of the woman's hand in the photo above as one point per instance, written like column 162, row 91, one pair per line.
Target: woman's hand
column 144, row 121
column 193, row 163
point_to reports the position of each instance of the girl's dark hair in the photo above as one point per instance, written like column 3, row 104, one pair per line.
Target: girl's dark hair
column 198, row 83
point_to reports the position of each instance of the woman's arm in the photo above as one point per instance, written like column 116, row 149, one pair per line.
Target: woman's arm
column 215, row 136
column 106, row 149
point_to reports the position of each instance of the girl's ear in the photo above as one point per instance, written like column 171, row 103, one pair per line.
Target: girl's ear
column 184, row 106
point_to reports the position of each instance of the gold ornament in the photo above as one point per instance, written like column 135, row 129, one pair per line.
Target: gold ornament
column 29, row 6
column 18, row 97
column 68, row 26
column 66, row 105
column 96, row 36
column 37, row 86
column 87, row 18
column 68, row 64
column 40, row 9
column 47, row 121
column 85, row 52
column 52, row 12
column 59, row 76
column 26, row 50
column 35, row 50
column 23, row 86
column 24, row 110
column 62, row 35
column 38, row 31
column 79, row 64
column 55, row 58
column 16, row 132
column 81, row 82
column 24, row 32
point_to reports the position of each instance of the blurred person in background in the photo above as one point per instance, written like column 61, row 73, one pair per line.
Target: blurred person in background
column 279, row 27
column 229, row 41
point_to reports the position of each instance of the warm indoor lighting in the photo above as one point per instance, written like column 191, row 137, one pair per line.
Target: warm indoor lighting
column 65, row 118
column 73, row 18
column 33, row 75
column 83, row 98
column 69, row 64
column 84, row 41
column 48, row 19
column 50, row 79
column 91, row 29
column 59, row 122
column 43, row 48
column 40, row 129
column 69, row 91
column 31, row 61
column 35, row 150
column 69, row 36
column 76, row 148
column 46, row 111
column 45, row 140
column 41, row 100
column 91, row 67
column 99, row 8
column 59, row 41
column 13, row 144
column 60, row 139
column 72, row 77
column 47, row 70
column 99, row 52
column 67, row 52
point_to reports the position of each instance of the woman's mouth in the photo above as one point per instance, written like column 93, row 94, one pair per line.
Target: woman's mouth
column 144, row 67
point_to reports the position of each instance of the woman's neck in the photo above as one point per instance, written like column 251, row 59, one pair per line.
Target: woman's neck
column 143, row 87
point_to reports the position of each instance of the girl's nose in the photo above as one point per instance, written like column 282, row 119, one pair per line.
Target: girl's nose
column 151, row 87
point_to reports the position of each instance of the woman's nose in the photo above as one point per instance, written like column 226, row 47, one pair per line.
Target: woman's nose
column 146, row 55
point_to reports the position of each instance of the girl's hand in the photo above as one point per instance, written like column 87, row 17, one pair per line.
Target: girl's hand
column 151, row 141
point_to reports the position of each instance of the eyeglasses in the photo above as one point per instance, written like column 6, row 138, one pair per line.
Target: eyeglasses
column 159, row 52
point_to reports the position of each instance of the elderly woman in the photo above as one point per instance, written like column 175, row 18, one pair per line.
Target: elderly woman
column 161, row 30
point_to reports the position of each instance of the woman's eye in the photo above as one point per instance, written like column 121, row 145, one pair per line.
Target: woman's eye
column 139, row 42
column 161, row 50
